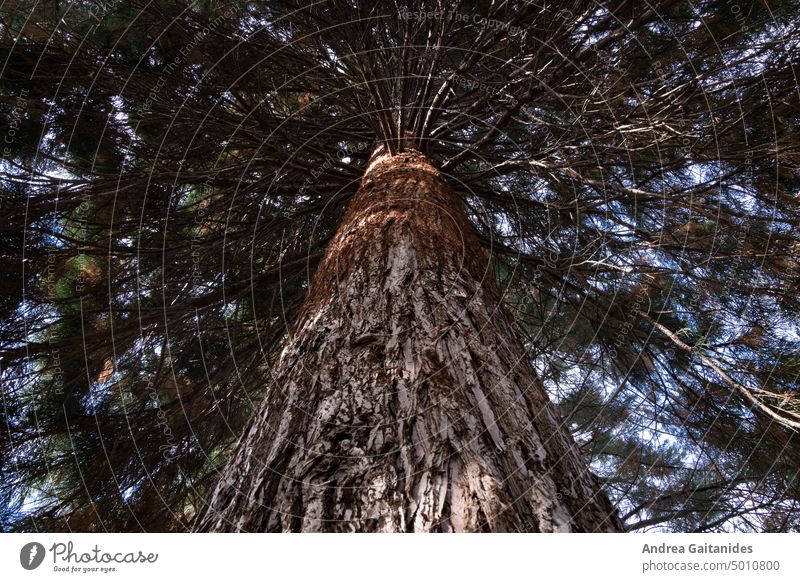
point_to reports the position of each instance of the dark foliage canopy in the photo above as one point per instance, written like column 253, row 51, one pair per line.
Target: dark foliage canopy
column 172, row 172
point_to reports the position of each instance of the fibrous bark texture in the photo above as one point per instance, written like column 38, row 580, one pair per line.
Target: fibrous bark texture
column 402, row 400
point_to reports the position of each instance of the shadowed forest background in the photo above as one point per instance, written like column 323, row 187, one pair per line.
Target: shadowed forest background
column 173, row 172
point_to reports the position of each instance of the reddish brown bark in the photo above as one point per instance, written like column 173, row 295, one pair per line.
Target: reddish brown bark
column 402, row 400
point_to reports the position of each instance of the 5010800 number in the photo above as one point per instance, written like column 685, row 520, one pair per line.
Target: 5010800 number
column 754, row 565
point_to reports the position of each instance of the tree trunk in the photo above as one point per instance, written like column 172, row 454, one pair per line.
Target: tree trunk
column 402, row 400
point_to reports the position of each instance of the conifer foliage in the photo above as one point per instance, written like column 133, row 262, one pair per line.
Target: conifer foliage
column 173, row 171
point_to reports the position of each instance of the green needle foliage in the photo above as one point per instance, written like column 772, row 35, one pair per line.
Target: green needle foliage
column 172, row 172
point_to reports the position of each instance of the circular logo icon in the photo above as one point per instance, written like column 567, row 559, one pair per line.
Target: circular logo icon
column 31, row 555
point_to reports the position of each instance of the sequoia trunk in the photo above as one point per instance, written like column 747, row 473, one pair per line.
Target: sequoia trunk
column 402, row 400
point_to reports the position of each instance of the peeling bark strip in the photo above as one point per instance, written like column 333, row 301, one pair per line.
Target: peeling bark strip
column 402, row 400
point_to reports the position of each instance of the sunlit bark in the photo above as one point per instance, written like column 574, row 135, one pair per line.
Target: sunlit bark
column 402, row 400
